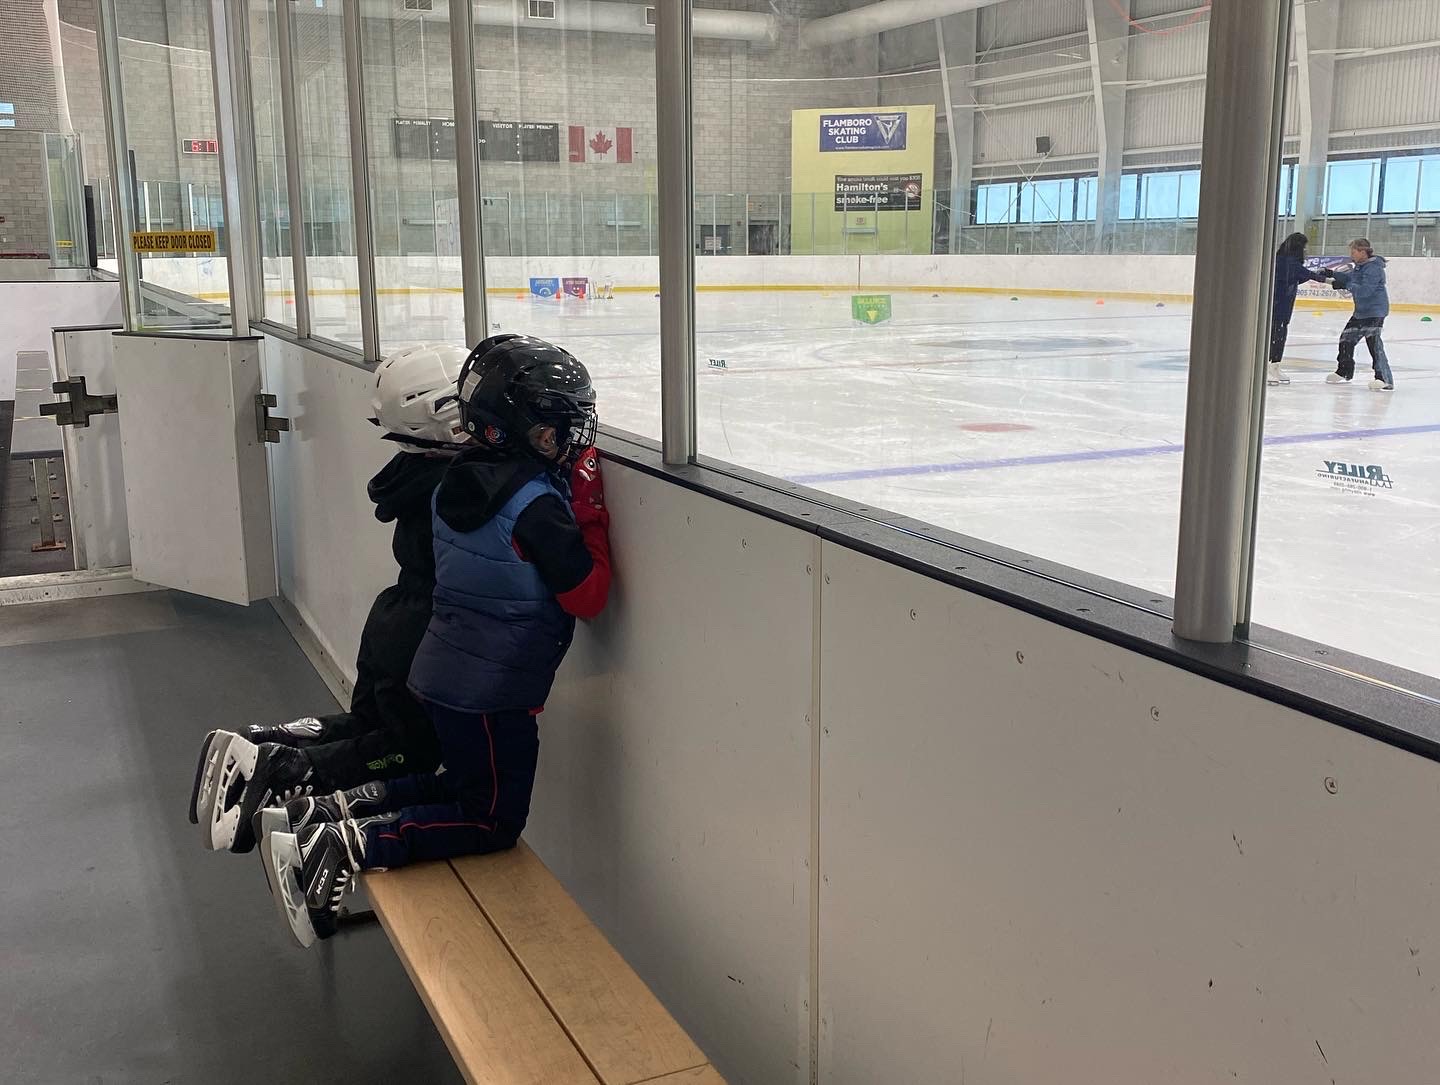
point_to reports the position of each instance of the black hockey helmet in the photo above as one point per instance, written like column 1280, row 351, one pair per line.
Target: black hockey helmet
column 510, row 384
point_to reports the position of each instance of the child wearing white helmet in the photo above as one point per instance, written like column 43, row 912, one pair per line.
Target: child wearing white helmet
column 386, row 733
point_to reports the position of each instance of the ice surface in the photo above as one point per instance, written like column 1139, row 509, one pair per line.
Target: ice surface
column 1052, row 426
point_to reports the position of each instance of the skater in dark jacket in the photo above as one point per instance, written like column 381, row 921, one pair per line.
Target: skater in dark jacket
column 521, row 551
column 386, row 732
column 1366, row 283
column 1290, row 272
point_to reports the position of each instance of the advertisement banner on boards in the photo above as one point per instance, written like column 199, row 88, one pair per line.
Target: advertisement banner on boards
column 544, row 288
column 575, row 287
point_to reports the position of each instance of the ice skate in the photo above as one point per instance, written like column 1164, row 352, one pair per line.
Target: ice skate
column 1336, row 378
column 310, row 871
column 363, row 801
column 1377, row 385
column 251, row 777
column 212, row 753
column 1275, row 375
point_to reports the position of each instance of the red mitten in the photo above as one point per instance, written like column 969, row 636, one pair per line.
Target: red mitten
column 587, row 489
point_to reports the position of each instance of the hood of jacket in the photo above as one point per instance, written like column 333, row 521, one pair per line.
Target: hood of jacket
column 405, row 485
column 477, row 485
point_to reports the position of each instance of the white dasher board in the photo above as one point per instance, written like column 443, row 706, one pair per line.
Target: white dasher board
column 196, row 484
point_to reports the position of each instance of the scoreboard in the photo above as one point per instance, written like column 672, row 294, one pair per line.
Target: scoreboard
column 500, row 141
column 519, row 141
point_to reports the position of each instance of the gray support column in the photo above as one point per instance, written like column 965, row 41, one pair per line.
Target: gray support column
column 1109, row 32
column 1244, row 122
column 294, row 191
column 122, row 184
column 360, row 180
column 467, row 170
column 1317, row 26
column 674, row 180
column 959, row 114
column 240, row 217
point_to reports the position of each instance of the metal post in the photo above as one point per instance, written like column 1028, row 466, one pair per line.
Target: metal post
column 1415, row 221
column 547, row 223
column 1248, row 55
column 123, row 209
column 582, row 222
column 360, row 181
column 674, row 181
column 239, row 219
column 467, row 170
column 617, row 223
column 1370, row 198
column 747, row 223
column 246, row 161
column 294, row 190
column 715, row 222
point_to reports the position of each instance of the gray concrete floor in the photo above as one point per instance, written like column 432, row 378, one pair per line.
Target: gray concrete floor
column 129, row 954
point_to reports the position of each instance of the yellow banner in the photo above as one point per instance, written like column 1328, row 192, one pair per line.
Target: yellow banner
column 173, row 241
column 862, row 179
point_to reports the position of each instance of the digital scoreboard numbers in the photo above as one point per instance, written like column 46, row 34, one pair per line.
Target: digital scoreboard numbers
column 199, row 146
column 519, row 141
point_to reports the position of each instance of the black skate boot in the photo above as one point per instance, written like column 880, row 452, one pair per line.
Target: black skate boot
column 297, row 733
column 358, row 802
column 310, row 871
column 251, row 777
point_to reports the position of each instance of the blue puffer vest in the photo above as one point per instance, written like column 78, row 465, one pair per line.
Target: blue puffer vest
column 497, row 635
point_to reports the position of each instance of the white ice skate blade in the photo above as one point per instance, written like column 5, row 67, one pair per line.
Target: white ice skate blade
column 199, row 794
column 235, row 762
column 273, row 819
column 280, row 853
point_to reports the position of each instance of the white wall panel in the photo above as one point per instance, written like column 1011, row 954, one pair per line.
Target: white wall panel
column 1182, row 51
column 197, row 495
column 1048, row 859
column 1008, row 135
column 1165, row 116
column 333, row 555
column 1397, row 88
column 1017, row 21
column 1388, row 22
column 674, row 790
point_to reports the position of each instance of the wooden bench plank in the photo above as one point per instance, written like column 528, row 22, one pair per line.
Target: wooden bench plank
column 498, row 1029
column 623, row 1030
column 700, row 1075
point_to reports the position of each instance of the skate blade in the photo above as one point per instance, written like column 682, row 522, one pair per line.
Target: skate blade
column 212, row 763
column 211, row 741
column 280, row 853
column 235, row 762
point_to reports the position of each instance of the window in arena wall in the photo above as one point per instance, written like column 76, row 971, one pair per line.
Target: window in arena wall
column 1017, row 396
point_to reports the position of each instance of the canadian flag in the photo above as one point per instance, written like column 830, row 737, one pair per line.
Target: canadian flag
column 600, row 144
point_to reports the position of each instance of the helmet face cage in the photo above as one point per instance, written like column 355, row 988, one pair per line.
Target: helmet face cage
column 572, row 415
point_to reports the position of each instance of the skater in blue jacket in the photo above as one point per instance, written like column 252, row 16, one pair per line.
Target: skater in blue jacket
column 1366, row 283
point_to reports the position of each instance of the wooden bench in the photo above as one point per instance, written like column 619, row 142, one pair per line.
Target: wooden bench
column 522, row 986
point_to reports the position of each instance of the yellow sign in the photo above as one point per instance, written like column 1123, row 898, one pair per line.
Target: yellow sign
column 862, row 179
column 63, row 244
column 173, row 241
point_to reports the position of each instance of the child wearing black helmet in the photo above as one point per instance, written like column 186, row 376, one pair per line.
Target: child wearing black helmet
column 521, row 551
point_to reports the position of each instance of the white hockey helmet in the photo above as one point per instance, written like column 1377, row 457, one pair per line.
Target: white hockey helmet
column 415, row 398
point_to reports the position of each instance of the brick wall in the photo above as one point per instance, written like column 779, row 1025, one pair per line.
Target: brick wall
column 26, row 227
